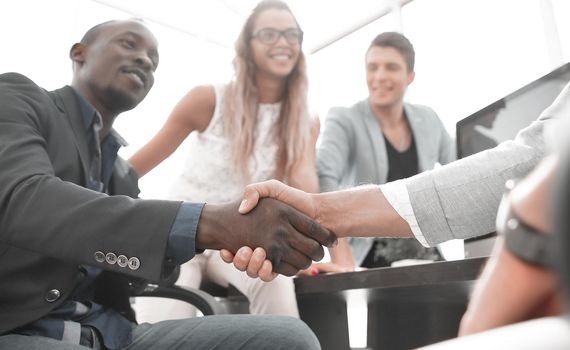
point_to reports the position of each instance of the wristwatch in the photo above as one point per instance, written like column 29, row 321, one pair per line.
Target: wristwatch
column 522, row 240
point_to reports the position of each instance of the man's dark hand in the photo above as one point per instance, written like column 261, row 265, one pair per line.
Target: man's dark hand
column 290, row 238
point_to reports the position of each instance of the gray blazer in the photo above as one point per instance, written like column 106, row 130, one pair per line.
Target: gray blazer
column 461, row 200
column 353, row 151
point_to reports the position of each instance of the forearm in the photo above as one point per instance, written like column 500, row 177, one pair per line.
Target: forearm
column 193, row 112
column 152, row 154
column 305, row 178
column 129, row 225
column 360, row 212
column 304, row 173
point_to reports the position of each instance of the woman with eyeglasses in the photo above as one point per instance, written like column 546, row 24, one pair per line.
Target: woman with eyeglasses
column 255, row 128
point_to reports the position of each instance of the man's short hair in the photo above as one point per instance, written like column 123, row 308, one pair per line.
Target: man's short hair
column 398, row 42
column 94, row 32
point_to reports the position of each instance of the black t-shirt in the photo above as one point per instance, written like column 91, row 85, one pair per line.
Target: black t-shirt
column 384, row 251
column 401, row 164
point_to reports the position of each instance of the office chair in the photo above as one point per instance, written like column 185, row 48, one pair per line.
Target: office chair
column 203, row 301
column 230, row 297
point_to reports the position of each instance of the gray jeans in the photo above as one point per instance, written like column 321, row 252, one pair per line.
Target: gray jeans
column 203, row 333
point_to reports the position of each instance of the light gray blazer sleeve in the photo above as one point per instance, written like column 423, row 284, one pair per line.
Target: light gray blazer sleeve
column 433, row 142
column 460, row 200
column 334, row 151
column 447, row 152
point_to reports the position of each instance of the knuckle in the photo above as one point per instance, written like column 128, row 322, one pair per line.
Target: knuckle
column 259, row 254
column 255, row 261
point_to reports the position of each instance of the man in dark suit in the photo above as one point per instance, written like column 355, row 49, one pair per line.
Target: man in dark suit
column 71, row 233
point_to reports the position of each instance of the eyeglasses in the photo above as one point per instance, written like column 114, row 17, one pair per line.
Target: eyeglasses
column 270, row 36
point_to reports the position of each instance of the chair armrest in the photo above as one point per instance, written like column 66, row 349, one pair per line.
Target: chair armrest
column 203, row 301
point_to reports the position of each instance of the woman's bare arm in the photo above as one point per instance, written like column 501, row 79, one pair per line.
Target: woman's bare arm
column 193, row 112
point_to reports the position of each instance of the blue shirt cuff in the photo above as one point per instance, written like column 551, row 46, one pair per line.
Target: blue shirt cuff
column 182, row 239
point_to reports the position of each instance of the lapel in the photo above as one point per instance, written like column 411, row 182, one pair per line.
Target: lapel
column 124, row 180
column 417, row 124
column 380, row 166
column 66, row 101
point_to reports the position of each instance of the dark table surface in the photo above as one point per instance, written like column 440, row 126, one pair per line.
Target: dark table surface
column 408, row 306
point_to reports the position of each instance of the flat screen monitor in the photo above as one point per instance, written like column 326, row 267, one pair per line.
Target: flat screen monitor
column 501, row 121
column 504, row 118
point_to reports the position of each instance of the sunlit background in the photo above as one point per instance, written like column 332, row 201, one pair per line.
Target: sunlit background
column 469, row 53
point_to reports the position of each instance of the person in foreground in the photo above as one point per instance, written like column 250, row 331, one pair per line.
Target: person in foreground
column 519, row 300
column 456, row 201
column 71, row 233
column 519, row 281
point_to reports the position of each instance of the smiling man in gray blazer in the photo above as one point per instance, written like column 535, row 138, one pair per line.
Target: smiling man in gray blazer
column 382, row 139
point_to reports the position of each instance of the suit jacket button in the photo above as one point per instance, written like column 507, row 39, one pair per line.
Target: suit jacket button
column 111, row 258
column 52, row 295
column 99, row 256
column 134, row 263
column 122, row 261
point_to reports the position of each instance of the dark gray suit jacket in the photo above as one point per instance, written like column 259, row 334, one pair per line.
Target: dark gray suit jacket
column 50, row 224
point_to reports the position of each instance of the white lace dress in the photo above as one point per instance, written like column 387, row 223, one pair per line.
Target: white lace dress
column 208, row 176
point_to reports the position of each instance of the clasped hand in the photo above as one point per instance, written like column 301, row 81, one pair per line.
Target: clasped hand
column 258, row 262
column 289, row 239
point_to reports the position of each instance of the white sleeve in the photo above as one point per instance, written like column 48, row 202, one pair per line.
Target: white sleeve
column 397, row 195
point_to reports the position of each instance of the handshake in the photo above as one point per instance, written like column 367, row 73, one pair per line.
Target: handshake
column 280, row 234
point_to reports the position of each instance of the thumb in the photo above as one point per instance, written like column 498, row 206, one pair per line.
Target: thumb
column 250, row 200
column 254, row 192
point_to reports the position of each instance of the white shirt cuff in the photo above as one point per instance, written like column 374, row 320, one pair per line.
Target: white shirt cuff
column 397, row 195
